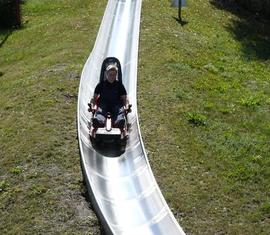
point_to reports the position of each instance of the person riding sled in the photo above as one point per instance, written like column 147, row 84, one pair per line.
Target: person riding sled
column 110, row 96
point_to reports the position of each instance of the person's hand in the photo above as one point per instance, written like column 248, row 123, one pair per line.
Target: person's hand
column 92, row 108
column 89, row 107
column 127, row 108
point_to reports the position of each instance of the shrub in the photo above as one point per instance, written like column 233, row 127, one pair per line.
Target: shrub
column 10, row 13
column 259, row 6
column 262, row 6
column 250, row 101
column 196, row 119
column 3, row 186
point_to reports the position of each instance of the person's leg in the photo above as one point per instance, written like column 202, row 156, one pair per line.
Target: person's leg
column 120, row 119
column 100, row 117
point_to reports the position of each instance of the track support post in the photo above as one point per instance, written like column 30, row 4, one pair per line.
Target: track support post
column 179, row 4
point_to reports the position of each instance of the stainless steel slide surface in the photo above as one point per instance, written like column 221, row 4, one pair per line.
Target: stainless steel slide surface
column 120, row 182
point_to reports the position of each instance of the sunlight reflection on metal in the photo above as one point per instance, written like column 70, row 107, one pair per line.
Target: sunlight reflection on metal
column 121, row 185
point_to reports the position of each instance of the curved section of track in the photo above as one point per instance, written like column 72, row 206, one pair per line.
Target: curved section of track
column 121, row 185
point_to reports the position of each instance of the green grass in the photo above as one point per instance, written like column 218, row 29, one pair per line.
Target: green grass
column 40, row 179
column 207, row 121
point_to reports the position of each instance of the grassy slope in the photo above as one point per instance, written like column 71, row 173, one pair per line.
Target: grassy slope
column 206, row 86
column 214, row 72
column 40, row 179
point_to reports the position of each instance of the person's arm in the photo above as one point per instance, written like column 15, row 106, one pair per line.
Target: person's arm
column 96, row 94
column 124, row 100
column 94, row 99
column 123, row 96
column 93, row 102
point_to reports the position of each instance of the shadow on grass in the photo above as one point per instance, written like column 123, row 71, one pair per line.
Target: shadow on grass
column 86, row 195
column 251, row 30
column 180, row 21
column 4, row 35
